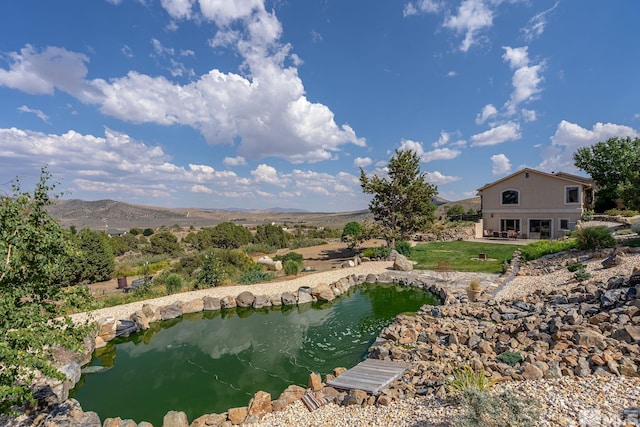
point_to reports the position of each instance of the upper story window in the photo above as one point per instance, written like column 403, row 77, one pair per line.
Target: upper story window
column 510, row 197
column 571, row 194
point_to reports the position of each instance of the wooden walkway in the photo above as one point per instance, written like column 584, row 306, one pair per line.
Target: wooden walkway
column 371, row 376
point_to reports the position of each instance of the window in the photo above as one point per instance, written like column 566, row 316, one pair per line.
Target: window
column 564, row 224
column 510, row 225
column 571, row 195
column 510, row 197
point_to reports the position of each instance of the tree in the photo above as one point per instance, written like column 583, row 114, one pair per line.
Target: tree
column 272, row 235
column 97, row 260
column 402, row 202
column 613, row 165
column 33, row 257
column 164, row 242
column 455, row 210
column 228, row 235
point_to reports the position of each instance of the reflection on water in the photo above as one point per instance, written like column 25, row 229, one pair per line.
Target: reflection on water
column 210, row 361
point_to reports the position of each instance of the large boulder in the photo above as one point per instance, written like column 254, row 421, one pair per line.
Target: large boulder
column 323, row 292
column 171, row 311
column 245, row 299
column 259, row 406
column 228, row 302
column 193, row 306
column 261, row 301
column 211, row 303
column 175, row 419
column 402, row 263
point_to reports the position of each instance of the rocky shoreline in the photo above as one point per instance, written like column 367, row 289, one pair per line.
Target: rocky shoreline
column 573, row 339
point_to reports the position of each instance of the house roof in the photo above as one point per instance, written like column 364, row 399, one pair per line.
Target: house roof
column 575, row 179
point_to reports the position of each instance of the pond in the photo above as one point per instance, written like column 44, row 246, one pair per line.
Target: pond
column 211, row 361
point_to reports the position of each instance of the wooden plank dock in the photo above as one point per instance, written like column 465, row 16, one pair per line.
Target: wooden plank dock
column 371, row 376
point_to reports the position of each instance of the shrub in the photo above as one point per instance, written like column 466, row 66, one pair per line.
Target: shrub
column 377, row 252
column 173, row 283
column 635, row 227
column 306, row 242
column 511, row 358
column 576, row 266
column 594, row 238
column 291, row 267
column 617, row 212
column 581, row 275
column 465, row 378
column 403, row 247
column 483, row 409
column 291, row 256
column 259, row 248
column 254, row 276
column 545, row 247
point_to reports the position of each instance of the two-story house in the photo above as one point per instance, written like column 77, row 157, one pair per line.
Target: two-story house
column 535, row 205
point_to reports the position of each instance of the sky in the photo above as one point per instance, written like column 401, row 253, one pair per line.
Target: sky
column 257, row 104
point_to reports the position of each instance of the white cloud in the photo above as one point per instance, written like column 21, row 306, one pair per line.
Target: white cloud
column 536, row 25
column 472, row 17
column 421, row 6
column 264, row 112
column 529, row 115
column 500, row 164
column 526, row 78
column 516, row 57
column 268, row 174
column 570, row 136
column 407, row 144
column 497, row 135
column 42, row 116
column 234, row 161
column 127, row 51
column 452, row 73
column 488, row 111
column 436, row 177
column 439, row 154
column 362, row 162
column 179, row 9
column 316, row 37
column 200, row 189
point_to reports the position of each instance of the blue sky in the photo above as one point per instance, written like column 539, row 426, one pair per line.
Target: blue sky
column 260, row 104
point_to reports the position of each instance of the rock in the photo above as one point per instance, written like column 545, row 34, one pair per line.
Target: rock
column 589, row 338
column 151, row 312
column 402, row 263
column 292, row 393
column 629, row 334
column 70, row 414
column 175, row 419
column 261, row 301
column 211, row 303
column 193, row 306
column 613, row 260
column 171, row 311
column 208, row 420
column 315, row 381
column 237, row 415
column 356, row 397
column 288, row 299
column 107, row 328
column 304, row 298
column 348, row 264
column 140, row 320
column 228, row 302
column 245, row 299
column 323, row 292
column 531, row 372
column 259, row 405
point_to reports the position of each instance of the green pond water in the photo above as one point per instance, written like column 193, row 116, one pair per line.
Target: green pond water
column 211, row 361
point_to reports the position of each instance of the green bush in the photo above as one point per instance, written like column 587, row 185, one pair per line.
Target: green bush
column 581, row 275
column 173, row 283
column 594, row 238
column 251, row 277
column 291, row 256
column 377, row 252
column 540, row 248
column 465, row 378
column 291, row 267
column 259, row 248
column 511, row 358
column 306, row 242
column 628, row 213
column 484, row 409
column 403, row 247
column 576, row 266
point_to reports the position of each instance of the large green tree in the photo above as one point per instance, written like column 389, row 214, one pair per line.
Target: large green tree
column 34, row 252
column 402, row 201
column 97, row 260
column 614, row 165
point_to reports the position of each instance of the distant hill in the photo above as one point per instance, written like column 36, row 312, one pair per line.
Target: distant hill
column 471, row 203
column 111, row 214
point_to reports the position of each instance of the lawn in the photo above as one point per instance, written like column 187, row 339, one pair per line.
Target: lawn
column 462, row 255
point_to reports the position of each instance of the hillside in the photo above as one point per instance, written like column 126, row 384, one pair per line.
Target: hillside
column 111, row 214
